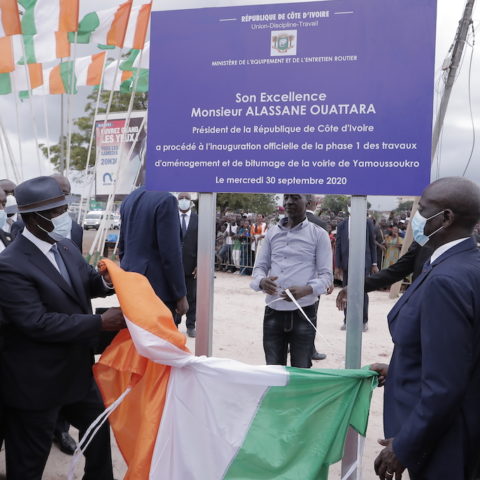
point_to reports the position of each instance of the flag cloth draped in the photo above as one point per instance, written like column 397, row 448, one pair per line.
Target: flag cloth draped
column 18, row 79
column 49, row 16
column 191, row 417
column 87, row 71
column 137, row 26
column 46, row 47
column 9, row 18
column 107, row 27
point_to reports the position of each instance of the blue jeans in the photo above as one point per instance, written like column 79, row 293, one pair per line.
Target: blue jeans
column 284, row 328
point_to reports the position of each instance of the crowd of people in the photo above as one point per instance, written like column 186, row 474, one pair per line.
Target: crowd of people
column 239, row 236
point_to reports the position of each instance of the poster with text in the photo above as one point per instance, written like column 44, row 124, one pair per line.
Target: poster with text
column 331, row 97
column 116, row 144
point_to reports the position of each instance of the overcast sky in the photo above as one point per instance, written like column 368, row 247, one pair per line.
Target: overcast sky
column 454, row 149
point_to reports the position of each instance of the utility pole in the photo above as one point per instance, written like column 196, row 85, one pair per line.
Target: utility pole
column 457, row 52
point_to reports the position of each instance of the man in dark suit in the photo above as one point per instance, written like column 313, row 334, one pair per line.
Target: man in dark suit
column 46, row 289
column 61, row 435
column 189, row 228
column 432, row 388
column 150, row 244
column 341, row 260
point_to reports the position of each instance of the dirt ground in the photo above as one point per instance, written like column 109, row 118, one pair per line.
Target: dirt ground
column 238, row 313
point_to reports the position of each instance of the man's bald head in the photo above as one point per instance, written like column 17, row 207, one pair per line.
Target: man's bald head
column 7, row 186
column 458, row 194
column 63, row 182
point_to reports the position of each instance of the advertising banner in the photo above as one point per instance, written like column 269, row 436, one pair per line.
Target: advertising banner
column 325, row 97
column 113, row 142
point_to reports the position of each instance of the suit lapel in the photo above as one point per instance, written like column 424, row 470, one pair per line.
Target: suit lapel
column 38, row 259
column 459, row 248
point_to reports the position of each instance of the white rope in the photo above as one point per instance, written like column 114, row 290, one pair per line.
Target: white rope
column 95, row 427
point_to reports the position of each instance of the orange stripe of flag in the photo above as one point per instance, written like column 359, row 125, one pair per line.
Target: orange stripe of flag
column 126, row 74
column 94, row 74
column 142, row 26
column 116, row 34
column 55, row 81
column 35, row 70
column 68, row 21
column 120, row 366
column 62, row 44
column 7, row 63
column 10, row 17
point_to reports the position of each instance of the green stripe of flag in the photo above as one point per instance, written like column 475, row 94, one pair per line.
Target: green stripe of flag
column 299, row 430
column 67, row 69
column 28, row 17
column 5, row 84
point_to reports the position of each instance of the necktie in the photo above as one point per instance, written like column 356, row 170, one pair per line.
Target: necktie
column 184, row 224
column 60, row 263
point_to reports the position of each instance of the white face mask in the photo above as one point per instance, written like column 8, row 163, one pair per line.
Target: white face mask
column 62, row 225
column 184, row 204
column 3, row 218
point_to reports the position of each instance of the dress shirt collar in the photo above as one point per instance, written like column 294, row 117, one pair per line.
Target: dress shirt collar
column 43, row 246
column 446, row 246
column 282, row 224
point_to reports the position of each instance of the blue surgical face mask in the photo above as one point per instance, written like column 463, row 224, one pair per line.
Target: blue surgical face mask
column 418, row 228
column 62, row 226
column 3, row 218
column 184, row 204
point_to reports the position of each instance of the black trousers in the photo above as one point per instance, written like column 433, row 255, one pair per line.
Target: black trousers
column 29, row 433
column 365, row 298
column 191, row 284
column 282, row 329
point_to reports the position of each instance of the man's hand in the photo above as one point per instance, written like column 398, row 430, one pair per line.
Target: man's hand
column 382, row 370
column 268, row 285
column 342, row 299
column 113, row 320
column 387, row 466
column 103, row 271
column 297, row 292
column 330, row 289
column 338, row 272
column 374, row 269
column 182, row 306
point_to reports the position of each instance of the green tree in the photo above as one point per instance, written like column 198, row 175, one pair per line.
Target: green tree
column 336, row 203
column 80, row 138
column 404, row 206
column 263, row 203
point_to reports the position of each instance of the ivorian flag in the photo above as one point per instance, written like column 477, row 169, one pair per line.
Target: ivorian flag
column 190, row 417
column 49, row 16
column 107, row 26
column 22, row 78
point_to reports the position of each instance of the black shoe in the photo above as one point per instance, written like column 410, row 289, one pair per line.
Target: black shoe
column 66, row 443
column 191, row 332
column 318, row 356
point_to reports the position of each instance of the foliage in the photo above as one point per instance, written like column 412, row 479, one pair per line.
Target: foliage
column 335, row 203
column 80, row 138
column 404, row 206
column 263, row 203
